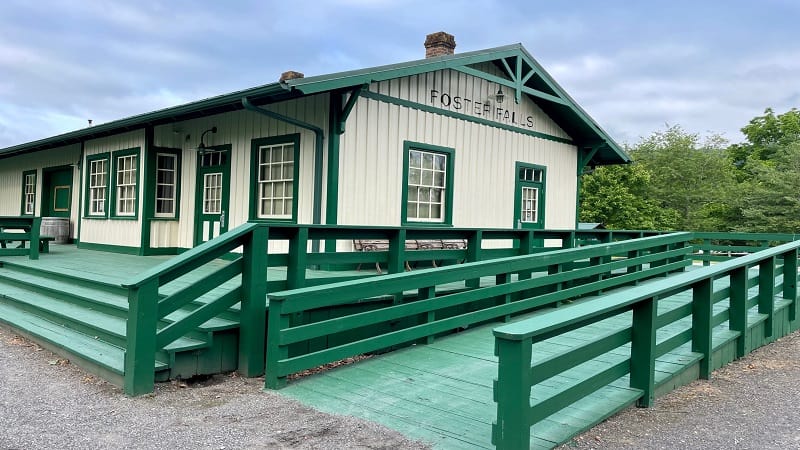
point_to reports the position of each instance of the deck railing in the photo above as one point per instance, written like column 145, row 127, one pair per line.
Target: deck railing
column 403, row 308
column 519, row 373
column 714, row 247
column 26, row 229
column 245, row 275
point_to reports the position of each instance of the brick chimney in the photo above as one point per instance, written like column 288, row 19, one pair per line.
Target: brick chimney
column 440, row 43
column 290, row 75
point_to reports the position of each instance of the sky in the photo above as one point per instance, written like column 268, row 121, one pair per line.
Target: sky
column 635, row 66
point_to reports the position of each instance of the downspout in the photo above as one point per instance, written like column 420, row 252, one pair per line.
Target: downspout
column 319, row 140
column 80, row 196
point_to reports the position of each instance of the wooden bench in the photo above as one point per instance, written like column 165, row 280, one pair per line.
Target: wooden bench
column 378, row 245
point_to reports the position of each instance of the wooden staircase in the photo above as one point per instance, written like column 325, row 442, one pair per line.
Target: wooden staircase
column 84, row 320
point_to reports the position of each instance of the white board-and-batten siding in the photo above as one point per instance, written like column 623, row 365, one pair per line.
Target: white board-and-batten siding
column 371, row 155
column 238, row 129
column 123, row 232
column 11, row 170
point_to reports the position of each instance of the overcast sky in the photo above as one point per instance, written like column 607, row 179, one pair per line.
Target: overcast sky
column 709, row 66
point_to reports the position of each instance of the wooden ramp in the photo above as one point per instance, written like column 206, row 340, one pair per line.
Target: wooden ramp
column 441, row 393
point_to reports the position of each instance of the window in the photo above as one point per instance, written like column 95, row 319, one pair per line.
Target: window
column 212, row 193
column 428, row 184
column 166, row 185
column 97, row 185
column 126, row 180
column 28, row 193
column 126, row 185
column 275, row 167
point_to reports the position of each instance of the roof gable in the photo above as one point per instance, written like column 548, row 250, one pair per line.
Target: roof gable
column 519, row 73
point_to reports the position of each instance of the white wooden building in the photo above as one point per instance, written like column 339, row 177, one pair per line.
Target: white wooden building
column 479, row 139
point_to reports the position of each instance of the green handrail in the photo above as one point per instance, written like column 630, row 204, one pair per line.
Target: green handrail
column 516, row 375
column 430, row 312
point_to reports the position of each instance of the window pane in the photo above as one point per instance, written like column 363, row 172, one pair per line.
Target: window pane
column 427, row 161
column 412, row 194
column 427, row 178
column 414, row 159
column 412, row 211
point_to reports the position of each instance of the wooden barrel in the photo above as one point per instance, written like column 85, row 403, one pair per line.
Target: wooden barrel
column 57, row 227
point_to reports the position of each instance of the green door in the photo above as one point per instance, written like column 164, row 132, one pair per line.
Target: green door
column 212, row 193
column 529, row 196
column 56, row 191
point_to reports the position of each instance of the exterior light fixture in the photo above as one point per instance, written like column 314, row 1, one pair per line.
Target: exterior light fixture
column 500, row 95
column 201, row 147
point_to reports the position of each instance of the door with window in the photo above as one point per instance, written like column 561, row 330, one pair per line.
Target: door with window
column 56, row 191
column 529, row 196
column 212, row 193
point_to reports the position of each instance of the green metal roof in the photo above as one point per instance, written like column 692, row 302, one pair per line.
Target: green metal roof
column 538, row 85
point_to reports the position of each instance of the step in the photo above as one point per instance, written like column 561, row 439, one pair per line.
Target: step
column 86, row 320
column 97, row 296
column 65, row 340
column 75, row 277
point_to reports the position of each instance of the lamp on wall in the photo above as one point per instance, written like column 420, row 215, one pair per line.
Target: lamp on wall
column 201, row 147
column 500, row 95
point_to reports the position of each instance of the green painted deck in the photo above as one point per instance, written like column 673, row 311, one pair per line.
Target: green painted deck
column 441, row 393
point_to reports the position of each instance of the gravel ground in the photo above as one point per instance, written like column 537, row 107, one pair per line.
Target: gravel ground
column 752, row 403
column 45, row 403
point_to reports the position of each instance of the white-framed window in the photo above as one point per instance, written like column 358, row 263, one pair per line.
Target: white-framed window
column 166, row 184
column 276, row 171
column 427, row 186
column 29, row 193
column 98, row 185
column 530, row 205
column 126, row 168
column 212, row 193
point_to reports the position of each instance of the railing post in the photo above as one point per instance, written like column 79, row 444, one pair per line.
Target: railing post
column 643, row 349
column 140, row 350
column 707, row 258
column 790, row 281
column 512, row 392
column 252, row 317
column 397, row 250
column 426, row 293
column 36, row 226
column 738, row 308
column 503, row 278
column 701, row 324
column 298, row 250
column 276, row 322
column 766, row 293
column 525, row 248
column 474, row 242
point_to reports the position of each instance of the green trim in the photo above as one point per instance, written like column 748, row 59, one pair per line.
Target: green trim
column 448, row 192
column 22, row 205
column 126, row 250
column 255, row 144
column 144, row 232
column 155, row 251
column 87, row 197
column 462, row 116
column 135, row 151
column 332, row 178
column 541, row 186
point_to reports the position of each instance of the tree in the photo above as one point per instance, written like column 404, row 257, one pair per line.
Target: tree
column 616, row 196
column 770, row 200
column 692, row 178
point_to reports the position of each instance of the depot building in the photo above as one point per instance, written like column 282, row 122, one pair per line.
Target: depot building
column 483, row 139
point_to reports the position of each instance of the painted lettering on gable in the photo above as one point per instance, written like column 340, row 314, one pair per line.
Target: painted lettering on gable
column 489, row 110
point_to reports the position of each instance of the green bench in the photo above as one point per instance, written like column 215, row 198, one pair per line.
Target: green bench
column 25, row 229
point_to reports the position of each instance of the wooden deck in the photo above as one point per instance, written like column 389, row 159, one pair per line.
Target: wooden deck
column 441, row 393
